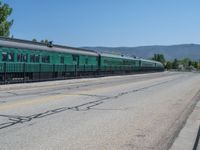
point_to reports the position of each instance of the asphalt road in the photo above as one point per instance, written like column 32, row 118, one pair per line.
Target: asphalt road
column 123, row 112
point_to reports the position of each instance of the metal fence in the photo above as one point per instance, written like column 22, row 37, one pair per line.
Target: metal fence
column 23, row 72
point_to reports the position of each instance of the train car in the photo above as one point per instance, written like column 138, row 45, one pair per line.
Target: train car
column 110, row 62
column 114, row 63
column 151, row 65
column 33, row 60
column 24, row 61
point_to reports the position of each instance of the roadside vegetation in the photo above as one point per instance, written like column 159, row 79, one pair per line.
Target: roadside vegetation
column 185, row 64
column 5, row 23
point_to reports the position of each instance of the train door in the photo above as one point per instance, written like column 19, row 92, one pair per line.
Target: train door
column 140, row 63
column 99, row 62
column 75, row 60
column 1, row 54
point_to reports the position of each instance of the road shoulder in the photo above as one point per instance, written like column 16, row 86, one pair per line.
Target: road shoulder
column 187, row 136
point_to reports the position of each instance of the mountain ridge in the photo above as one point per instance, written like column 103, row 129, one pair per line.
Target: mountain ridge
column 179, row 51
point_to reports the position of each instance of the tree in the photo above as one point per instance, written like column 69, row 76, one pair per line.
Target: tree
column 186, row 62
column 34, row 40
column 190, row 63
column 175, row 64
column 5, row 25
column 45, row 41
column 159, row 57
column 196, row 65
column 168, row 65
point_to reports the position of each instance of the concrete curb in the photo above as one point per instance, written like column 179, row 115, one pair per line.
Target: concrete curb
column 187, row 137
column 197, row 144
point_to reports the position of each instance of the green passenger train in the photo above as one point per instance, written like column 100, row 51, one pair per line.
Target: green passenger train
column 22, row 60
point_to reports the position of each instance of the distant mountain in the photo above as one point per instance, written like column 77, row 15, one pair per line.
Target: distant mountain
column 191, row 51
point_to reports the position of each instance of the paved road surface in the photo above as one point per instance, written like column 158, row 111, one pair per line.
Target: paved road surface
column 128, row 112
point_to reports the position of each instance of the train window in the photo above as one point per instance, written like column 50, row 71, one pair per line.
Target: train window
column 37, row 58
column 32, row 58
column 25, row 58
column 46, row 59
column 19, row 57
column 62, row 60
column 86, row 61
column 22, row 57
column 43, row 59
column 4, row 56
column 74, row 57
column 11, row 56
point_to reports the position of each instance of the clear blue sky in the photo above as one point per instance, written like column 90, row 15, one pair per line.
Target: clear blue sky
column 107, row 22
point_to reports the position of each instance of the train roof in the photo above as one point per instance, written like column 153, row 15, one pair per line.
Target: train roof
column 25, row 44
column 152, row 61
column 117, row 56
column 127, row 57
